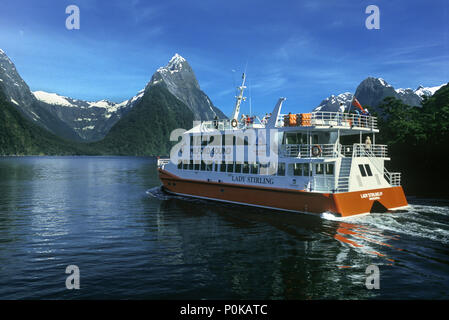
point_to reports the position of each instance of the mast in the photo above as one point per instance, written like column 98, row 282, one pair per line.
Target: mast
column 239, row 99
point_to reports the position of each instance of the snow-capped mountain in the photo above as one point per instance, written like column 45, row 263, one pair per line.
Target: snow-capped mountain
column 335, row 103
column 372, row 91
column 17, row 92
column 90, row 120
column 181, row 81
column 424, row 91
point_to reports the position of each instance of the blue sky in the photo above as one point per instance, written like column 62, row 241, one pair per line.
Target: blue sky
column 302, row 50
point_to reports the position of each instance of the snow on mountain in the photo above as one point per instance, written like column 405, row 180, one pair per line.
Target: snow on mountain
column 174, row 65
column 181, row 81
column 53, row 98
column 91, row 120
column 62, row 101
column 427, row 91
column 334, row 103
column 372, row 91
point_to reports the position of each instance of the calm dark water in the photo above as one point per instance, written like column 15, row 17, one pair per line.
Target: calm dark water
column 131, row 241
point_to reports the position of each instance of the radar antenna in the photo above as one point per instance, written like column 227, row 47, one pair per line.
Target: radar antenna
column 239, row 98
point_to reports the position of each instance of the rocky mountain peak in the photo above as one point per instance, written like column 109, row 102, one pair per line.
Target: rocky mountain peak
column 16, row 90
column 176, row 62
column 177, row 72
column 180, row 80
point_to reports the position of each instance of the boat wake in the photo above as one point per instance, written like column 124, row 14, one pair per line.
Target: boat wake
column 158, row 193
column 390, row 235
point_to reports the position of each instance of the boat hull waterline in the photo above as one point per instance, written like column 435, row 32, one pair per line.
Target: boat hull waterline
column 342, row 204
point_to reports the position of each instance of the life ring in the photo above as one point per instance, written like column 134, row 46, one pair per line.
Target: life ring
column 316, row 150
column 234, row 123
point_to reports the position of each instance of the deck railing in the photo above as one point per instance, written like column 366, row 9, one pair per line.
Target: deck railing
column 393, row 178
column 329, row 119
column 332, row 150
column 307, row 150
column 376, row 150
column 313, row 119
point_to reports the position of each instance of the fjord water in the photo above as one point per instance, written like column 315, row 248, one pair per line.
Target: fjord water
column 108, row 216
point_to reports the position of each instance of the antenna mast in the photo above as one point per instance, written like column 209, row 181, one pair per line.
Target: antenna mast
column 239, row 98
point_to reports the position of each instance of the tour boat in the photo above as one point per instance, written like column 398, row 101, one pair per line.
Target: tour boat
column 293, row 162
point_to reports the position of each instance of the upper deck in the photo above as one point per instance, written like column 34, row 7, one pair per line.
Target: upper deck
column 320, row 120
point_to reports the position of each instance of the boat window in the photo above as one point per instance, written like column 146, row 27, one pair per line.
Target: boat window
column 245, row 167
column 209, row 167
column 238, row 168
column 281, row 169
column 230, row 167
column 319, row 168
column 329, row 168
column 203, row 166
column 223, row 167
column 315, row 139
column 179, row 165
column 368, row 170
column 197, row 166
column 306, row 169
column 264, row 168
column 185, row 166
column 255, row 168
column 297, row 170
column 204, row 140
column 362, row 170
column 290, row 138
column 191, row 165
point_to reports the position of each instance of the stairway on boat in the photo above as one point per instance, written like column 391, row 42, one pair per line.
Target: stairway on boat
column 343, row 178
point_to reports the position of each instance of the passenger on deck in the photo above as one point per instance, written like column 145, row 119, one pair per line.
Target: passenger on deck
column 368, row 143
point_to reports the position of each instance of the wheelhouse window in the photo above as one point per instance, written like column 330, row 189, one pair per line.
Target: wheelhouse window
column 230, row 167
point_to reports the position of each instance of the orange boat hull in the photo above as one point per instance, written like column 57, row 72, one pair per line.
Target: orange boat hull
column 343, row 204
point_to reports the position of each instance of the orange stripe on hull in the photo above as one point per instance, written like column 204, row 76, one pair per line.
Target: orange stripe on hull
column 344, row 204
